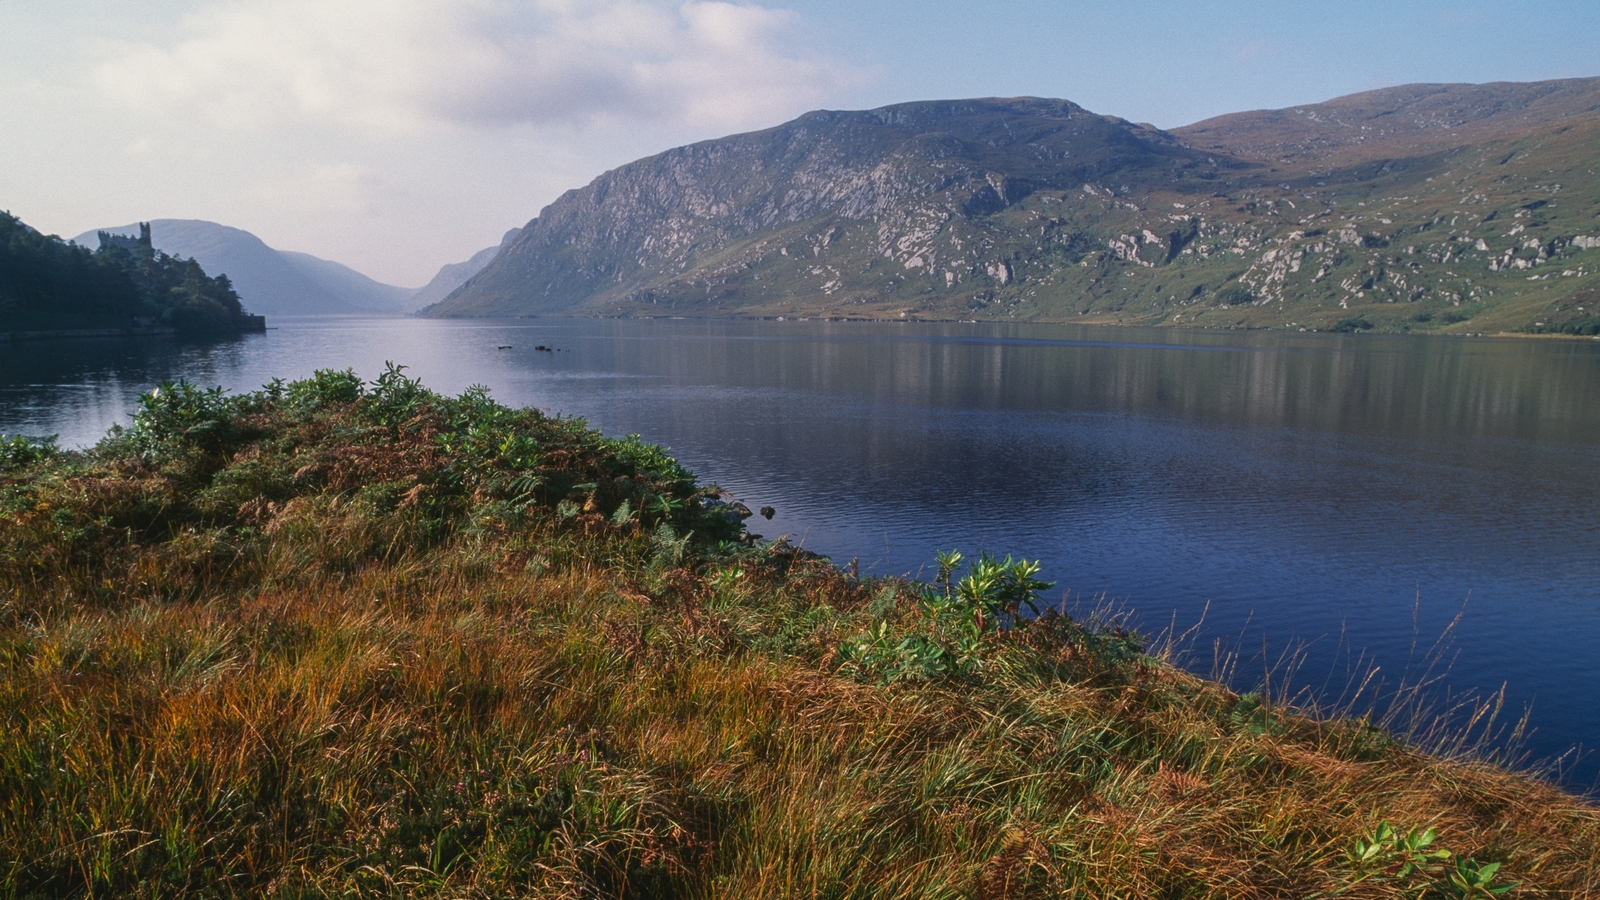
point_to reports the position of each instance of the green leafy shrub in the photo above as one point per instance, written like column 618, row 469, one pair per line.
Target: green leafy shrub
column 1412, row 861
column 371, row 468
column 178, row 415
column 17, row 450
column 1252, row 715
column 325, row 388
column 1470, row 880
column 1392, row 855
column 963, row 627
column 395, row 398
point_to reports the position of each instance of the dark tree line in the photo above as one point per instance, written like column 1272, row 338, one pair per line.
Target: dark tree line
column 46, row 282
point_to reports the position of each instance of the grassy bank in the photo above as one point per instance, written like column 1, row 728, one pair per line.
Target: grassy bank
column 363, row 639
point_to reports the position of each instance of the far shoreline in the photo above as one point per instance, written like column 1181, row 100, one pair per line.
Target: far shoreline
column 1096, row 322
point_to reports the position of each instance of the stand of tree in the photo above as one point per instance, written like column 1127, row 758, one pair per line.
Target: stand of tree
column 47, row 283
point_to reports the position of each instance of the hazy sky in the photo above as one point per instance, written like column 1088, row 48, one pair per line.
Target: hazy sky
column 398, row 135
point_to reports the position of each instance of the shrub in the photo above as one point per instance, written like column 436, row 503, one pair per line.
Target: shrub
column 325, row 388
column 18, row 450
column 1582, row 327
column 177, row 415
column 1235, row 296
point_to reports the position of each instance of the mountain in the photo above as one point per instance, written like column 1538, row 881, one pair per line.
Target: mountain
column 1453, row 207
column 454, row 275
column 350, row 286
column 695, row 228
column 269, row 282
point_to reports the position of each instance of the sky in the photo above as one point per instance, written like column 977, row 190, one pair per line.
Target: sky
column 395, row 136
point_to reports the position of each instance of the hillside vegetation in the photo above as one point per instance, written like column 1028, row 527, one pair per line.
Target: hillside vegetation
column 344, row 638
column 1426, row 207
column 49, row 284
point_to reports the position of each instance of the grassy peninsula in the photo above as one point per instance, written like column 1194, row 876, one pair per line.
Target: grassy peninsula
column 363, row 639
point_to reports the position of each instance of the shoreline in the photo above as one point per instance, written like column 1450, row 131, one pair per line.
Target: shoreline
column 58, row 333
column 247, row 325
column 1097, row 323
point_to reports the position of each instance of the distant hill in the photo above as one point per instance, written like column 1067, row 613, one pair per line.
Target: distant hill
column 454, row 275
column 350, row 286
column 284, row 282
column 1426, row 207
column 1408, row 121
column 269, row 282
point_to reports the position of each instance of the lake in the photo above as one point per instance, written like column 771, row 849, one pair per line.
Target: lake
column 1348, row 496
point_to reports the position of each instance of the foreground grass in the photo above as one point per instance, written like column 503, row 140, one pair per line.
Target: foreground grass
column 332, row 638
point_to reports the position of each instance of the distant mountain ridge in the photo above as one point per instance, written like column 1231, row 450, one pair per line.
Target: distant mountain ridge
column 284, row 282
column 1405, row 120
column 454, row 275
column 1372, row 210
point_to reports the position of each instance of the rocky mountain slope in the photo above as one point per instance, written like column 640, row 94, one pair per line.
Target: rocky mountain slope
column 1458, row 207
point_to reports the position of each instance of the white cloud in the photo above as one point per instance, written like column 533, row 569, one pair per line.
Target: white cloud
column 342, row 189
column 401, row 65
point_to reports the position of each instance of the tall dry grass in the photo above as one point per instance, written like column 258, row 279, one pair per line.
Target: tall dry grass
column 305, row 686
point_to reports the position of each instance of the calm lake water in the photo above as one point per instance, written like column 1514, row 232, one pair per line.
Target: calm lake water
column 1347, row 495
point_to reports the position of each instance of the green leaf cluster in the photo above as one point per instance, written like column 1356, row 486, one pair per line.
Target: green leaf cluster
column 1413, row 861
column 955, row 626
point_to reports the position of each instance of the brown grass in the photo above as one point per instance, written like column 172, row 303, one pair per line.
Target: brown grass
column 552, row 708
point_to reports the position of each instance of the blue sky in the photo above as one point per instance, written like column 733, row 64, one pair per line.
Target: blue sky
column 398, row 135
column 1172, row 64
